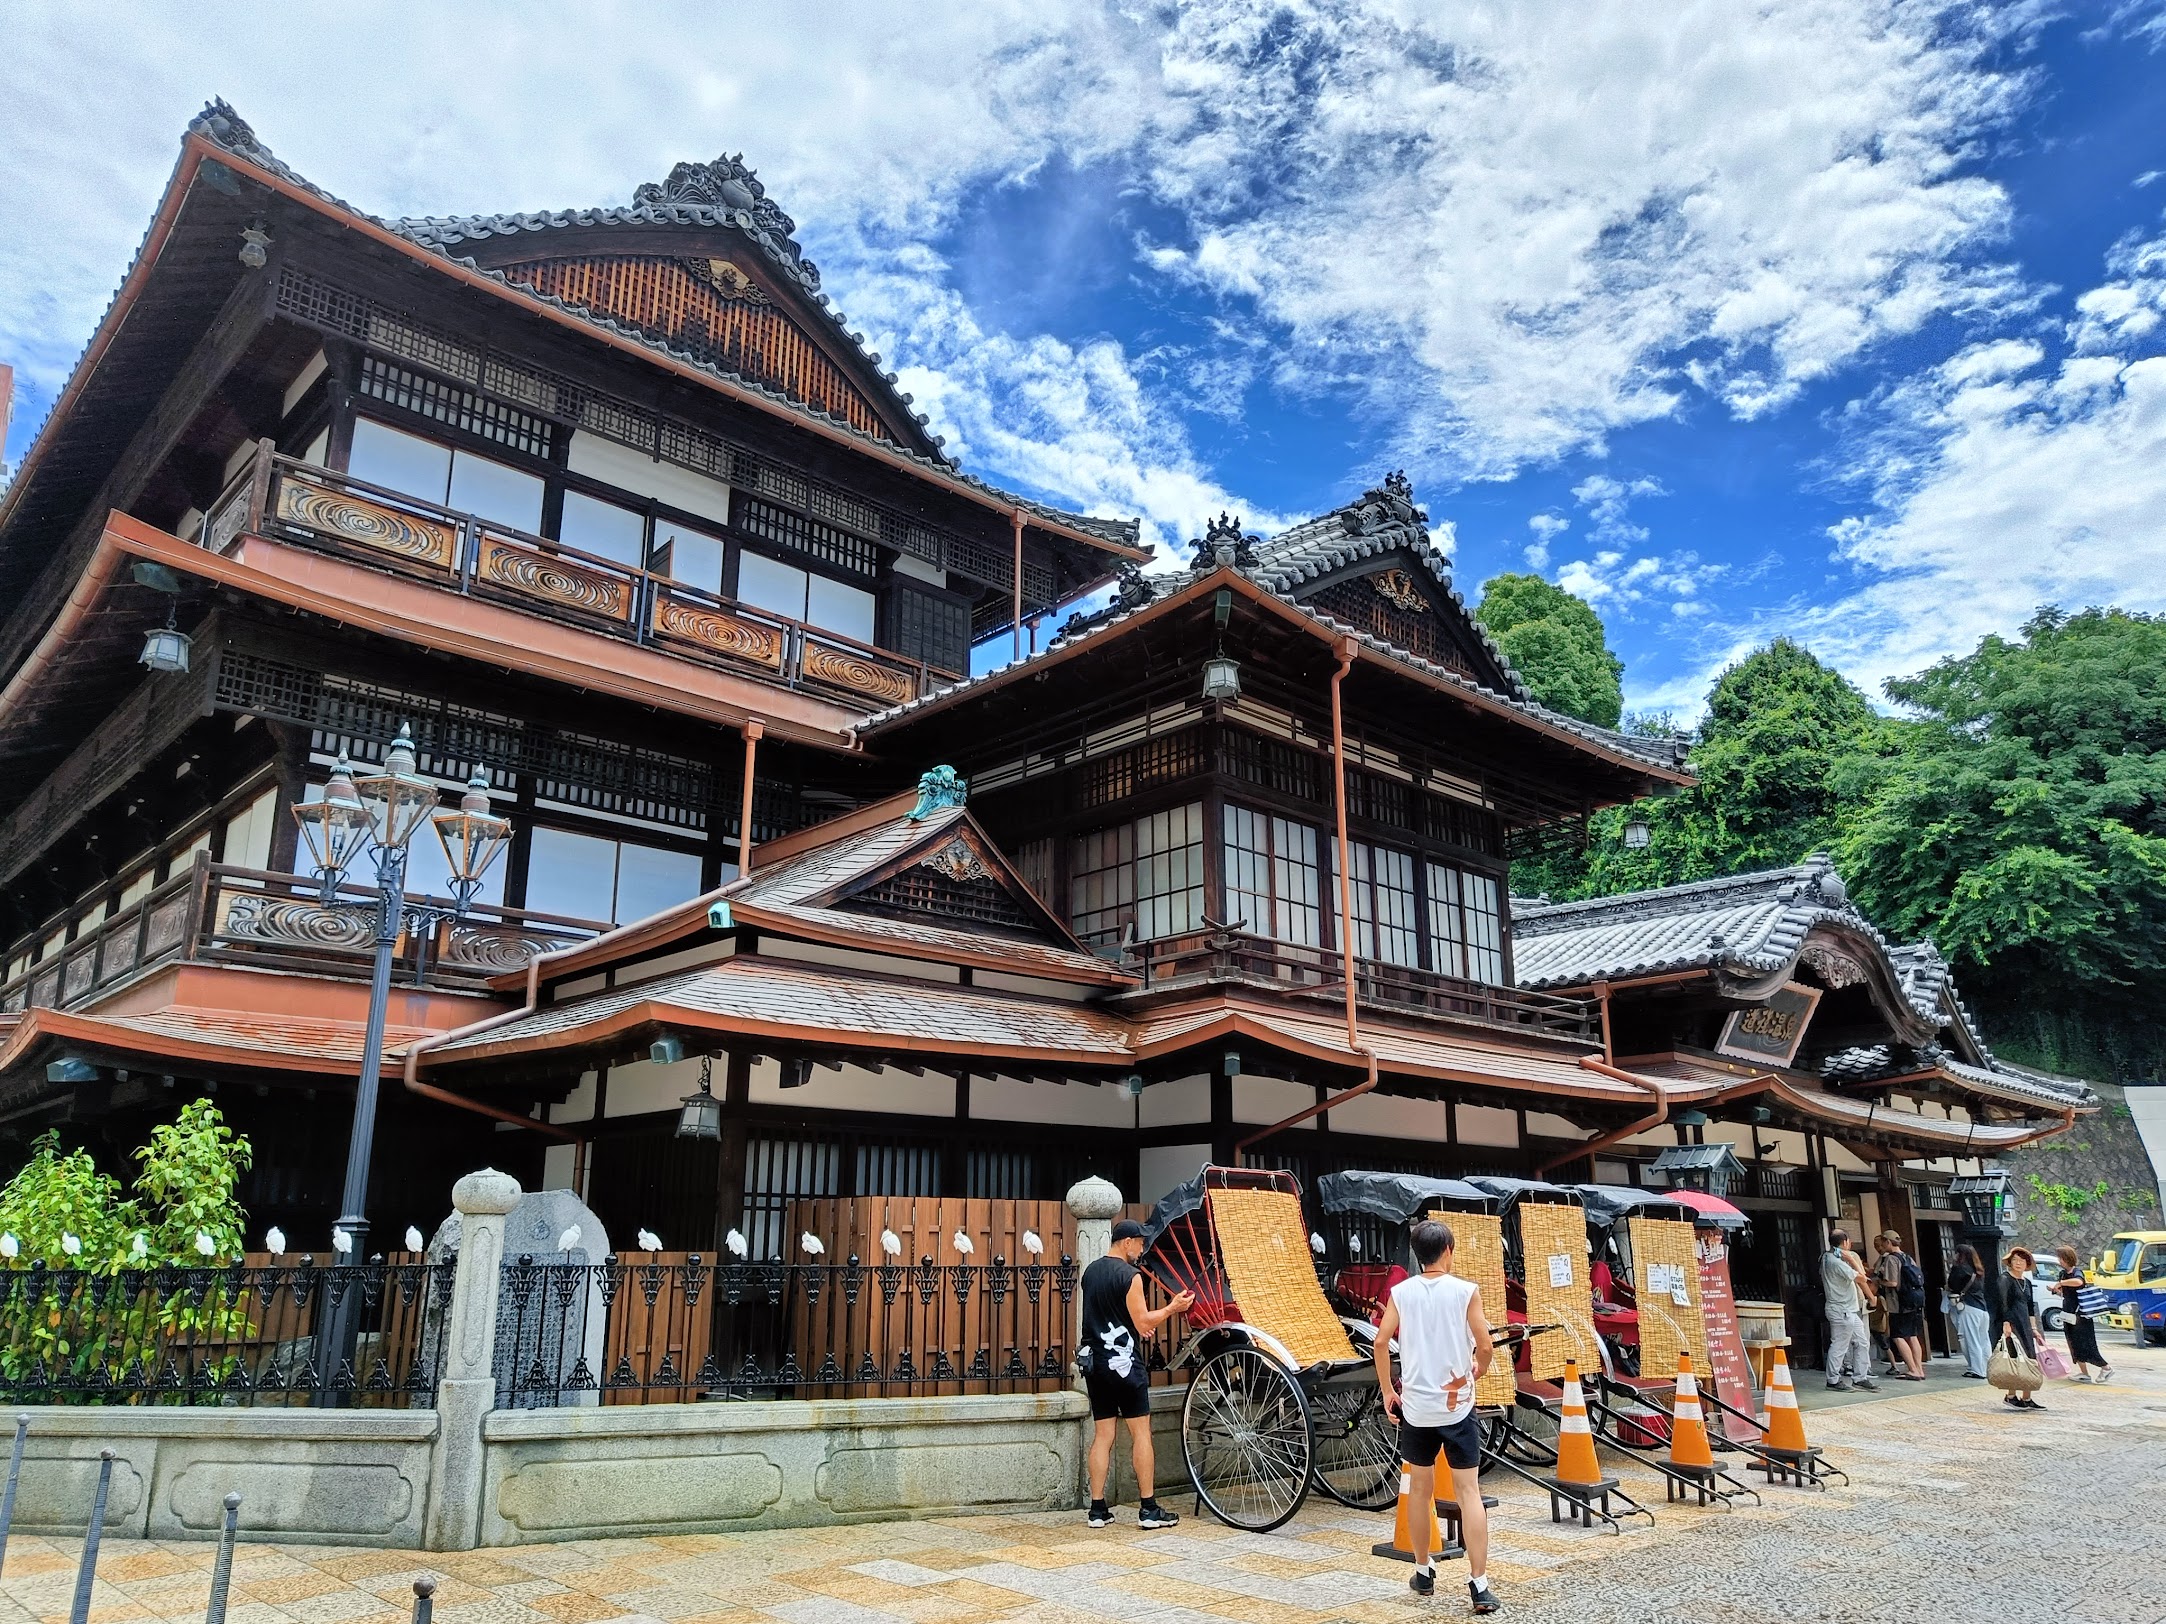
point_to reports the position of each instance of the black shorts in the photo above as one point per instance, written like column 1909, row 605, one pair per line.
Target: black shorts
column 1116, row 1396
column 1460, row 1441
column 1908, row 1322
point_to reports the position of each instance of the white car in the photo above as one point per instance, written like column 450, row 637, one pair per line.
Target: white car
column 2046, row 1294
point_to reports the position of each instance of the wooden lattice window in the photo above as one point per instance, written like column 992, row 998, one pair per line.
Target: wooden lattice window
column 927, row 893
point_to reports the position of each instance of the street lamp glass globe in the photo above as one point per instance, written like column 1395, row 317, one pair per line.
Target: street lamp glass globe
column 335, row 828
column 398, row 798
column 473, row 836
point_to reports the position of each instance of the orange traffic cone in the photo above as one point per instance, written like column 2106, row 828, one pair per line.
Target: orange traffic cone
column 1401, row 1546
column 1689, row 1450
column 1575, row 1439
column 1785, row 1427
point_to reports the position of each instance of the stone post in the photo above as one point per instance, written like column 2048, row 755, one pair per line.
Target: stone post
column 1094, row 1203
column 466, row 1385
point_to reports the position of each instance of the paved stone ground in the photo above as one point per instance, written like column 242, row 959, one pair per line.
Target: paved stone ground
column 1956, row 1509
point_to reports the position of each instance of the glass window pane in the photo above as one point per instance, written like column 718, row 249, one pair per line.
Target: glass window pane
column 834, row 607
column 248, row 832
column 650, row 879
column 399, row 461
column 1384, row 905
column 491, row 491
column 1447, row 944
column 603, row 529
column 573, row 874
column 767, row 583
column 1485, row 936
column 690, row 556
column 428, row 870
column 1294, row 877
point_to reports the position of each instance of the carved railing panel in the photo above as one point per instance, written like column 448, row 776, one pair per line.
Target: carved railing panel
column 493, row 950
column 847, row 669
column 407, row 537
column 549, row 579
column 167, row 926
column 245, row 916
column 726, row 634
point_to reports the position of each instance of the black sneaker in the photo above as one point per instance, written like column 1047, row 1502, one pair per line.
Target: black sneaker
column 1838, row 1387
column 1866, row 1384
column 1481, row 1598
column 1153, row 1515
column 1101, row 1514
column 1423, row 1584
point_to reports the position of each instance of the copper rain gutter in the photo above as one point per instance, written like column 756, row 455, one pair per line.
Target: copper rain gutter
column 1347, row 648
column 753, row 734
column 1653, row 1119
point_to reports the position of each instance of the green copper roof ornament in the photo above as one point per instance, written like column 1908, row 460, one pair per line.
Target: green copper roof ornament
column 938, row 790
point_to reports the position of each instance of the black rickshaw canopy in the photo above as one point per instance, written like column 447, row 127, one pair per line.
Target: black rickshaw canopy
column 1398, row 1197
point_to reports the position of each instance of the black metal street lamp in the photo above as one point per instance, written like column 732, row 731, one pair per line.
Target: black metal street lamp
column 381, row 813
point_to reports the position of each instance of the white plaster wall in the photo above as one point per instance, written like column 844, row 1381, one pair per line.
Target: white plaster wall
column 1264, row 1100
column 1161, row 1167
column 578, row 1105
column 1087, row 1105
column 774, row 947
column 1178, row 1102
column 642, row 1086
column 1068, row 992
column 1393, row 1116
column 2148, row 1107
column 856, row 1088
column 1487, row 1125
column 1542, row 1125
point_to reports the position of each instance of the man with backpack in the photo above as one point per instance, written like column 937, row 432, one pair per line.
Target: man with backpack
column 1902, row 1287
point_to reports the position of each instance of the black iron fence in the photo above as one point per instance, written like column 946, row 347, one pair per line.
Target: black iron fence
column 365, row 1334
column 625, row 1331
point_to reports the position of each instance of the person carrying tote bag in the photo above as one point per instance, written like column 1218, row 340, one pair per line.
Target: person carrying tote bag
column 2083, row 1304
column 2014, row 1365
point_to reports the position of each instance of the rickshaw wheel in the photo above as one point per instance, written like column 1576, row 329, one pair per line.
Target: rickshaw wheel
column 1247, row 1440
column 1357, row 1447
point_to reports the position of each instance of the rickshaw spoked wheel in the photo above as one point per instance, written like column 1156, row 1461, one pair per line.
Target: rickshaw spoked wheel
column 1247, row 1439
column 1357, row 1447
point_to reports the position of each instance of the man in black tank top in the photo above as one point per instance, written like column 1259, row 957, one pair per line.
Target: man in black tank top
column 1116, row 1323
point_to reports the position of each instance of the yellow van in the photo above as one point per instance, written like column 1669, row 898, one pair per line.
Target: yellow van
column 2136, row 1260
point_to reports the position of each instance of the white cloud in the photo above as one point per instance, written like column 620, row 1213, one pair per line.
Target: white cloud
column 1547, row 527
column 2005, row 479
column 1621, row 575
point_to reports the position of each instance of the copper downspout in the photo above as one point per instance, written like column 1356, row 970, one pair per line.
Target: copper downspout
column 444, row 1096
column 1347, row 649
column 753, row 734
column 1018, row 517
column 97, row 575
column 1653, row 1119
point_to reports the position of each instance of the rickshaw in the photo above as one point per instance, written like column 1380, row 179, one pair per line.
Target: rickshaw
column 1279, row 1395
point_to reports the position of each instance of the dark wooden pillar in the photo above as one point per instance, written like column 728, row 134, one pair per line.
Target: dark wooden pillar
column 1222, row 1129
column 730, row 1155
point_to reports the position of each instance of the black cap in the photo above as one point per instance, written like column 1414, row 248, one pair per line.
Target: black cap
column 1127, row 1229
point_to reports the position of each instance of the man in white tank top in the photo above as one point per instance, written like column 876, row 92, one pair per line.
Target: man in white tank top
column 1444, row 1347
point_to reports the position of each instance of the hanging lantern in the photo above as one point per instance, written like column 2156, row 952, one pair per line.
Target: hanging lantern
column 699, row 1116
column 1637, row 835
column 1221, row 678
column 166, row 649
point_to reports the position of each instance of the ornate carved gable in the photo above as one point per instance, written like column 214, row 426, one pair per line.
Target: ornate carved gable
column 956, row 880
column 1397, row 597
column 714, row 309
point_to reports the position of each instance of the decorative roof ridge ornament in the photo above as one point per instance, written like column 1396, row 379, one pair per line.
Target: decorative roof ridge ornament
column 1225, row 545
column 223, row 125
column 728, row 183
column 1389, row 506
column 957, row 862
column 939, row 790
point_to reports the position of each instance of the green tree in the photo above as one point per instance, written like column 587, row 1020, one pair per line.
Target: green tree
column 1778, row 756
column 2021, row 824
column 1557, row 644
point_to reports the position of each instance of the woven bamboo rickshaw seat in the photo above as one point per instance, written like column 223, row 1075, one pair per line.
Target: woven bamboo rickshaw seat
column 1550, row 1230
column 1667, row 1328
column 1263, row 1248
column 1478, row 1255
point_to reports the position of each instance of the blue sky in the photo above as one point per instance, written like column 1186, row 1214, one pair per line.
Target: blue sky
column 1840, row 319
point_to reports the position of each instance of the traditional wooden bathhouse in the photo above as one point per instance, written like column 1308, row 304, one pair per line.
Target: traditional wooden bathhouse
column 611, row 506
column 1840, row 1070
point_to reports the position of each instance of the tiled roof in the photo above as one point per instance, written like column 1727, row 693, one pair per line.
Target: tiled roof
column 1667, row 754
column 818, row 1005
column 1846, row 1111
column 227, row 130
column 1754, row 925
column 244, row 1038
column 2024, row 1084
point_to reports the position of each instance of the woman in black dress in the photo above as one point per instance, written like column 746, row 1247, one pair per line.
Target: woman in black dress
column 2019, row 1317
column 2080, row 1329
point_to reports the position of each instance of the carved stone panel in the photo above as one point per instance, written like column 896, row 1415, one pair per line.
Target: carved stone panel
column 719, row 631
column 841, row 668
column 552, row 580
column 404, row 536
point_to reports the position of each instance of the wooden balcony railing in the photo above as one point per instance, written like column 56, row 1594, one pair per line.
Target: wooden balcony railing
column 1312, row 973
column 326, row 511
column 217, row 913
